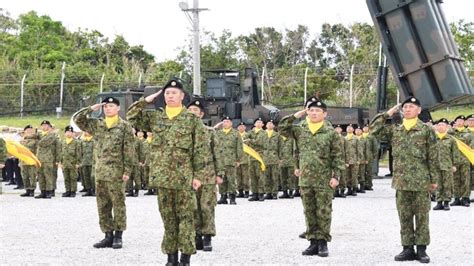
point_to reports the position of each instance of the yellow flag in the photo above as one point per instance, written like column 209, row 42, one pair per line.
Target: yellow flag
column 19, row 151
column 255, row 155
column 465, row 150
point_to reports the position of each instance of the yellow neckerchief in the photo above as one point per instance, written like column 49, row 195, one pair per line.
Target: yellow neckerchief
column 365, row 135
column 172, row 112
column 460, row 129
column 68, row 140
column 226, row 130
column 349, row 136
column 314, row 127
column 88, row 138
column 242, row 134
column 471, row 129
column 140, row 138
column 440, row 135
column 257, row 130
column 409, row 123
column 269, row 133
column 44, row 133
column 111, row 121
column 149, row 139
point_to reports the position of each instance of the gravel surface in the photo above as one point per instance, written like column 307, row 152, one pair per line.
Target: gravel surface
column 365, row 230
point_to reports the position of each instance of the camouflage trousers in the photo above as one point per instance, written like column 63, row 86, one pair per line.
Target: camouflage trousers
column 369, row 173
column 243, row 178
column 135, row 181
column 47, row 176
column 351, row 175
column 146, row 173
column 205, row 213
column 317, row 206
column 362, row 173
column 445, row 186
column 143, row 175
column 413, row 212
column 28, row 173
column 110, row 198
column 70, row 178
column 87, row 177
column 228, row 186
column 343, row 179
column 272, row 178
column 462, row 180
column 177, row 212
column 287, row 178
column 256, row 177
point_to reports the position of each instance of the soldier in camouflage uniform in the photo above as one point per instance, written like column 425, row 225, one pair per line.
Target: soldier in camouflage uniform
column 361, row 159
column 204, row 215
column 256, row 139
column 229, row 154
column 69, row 161
column 341, row 188
column 351, row 160
column 415, row 173
column 177, row 155
column 48, row 152
column 287, row 165
column 462, row 176
column 320, row 165
column 135, row 182
column 29, row 172
column 271, row 157
column 87, row 162
column 243, row 178
column 113, row 150
column 448, row 155
column 372, row 153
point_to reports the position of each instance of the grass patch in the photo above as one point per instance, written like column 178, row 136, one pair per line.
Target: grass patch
column 35, row 121
column 452, row 112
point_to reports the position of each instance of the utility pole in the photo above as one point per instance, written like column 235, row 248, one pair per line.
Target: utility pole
column 59, row 109
column 196, row 45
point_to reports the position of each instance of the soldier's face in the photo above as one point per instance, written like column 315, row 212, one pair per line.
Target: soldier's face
column 459, row 123
column 411, row 110
column 29, row 132
column 338, row 130
column 196, row 110
column 241, row 128
column 227, row 124
column 111, row 109
column 259, row 124
column 140, row 134
column 350, row 129
column 316, row 114
column 270, row 126
column 442, row 127
column 366, row 130
column 358, row 132
column 149, row 135
column 174, row 97
column 69, row 134
column 470, row 122
column 45, row 127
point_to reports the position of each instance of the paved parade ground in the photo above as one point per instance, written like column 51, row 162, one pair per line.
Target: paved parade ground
column 365, row 230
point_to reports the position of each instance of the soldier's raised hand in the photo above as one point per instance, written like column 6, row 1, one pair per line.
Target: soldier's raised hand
column 300, row 114
column 393, row 110
column 96, row 107
column 218, row 125
column 150, row 98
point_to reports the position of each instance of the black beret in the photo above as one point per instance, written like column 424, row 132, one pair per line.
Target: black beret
column 68, row 128
column 412, row 100
column 442, row 120
column 111, row 100
column 313, row 101
column 460, row 117
column 27, row 126
column 271, row 121
column 470, row 116
column 241, row 123
column 173, row 83
column 197, row 103
column 46, row 122
column 258, row 119
column 226, row 118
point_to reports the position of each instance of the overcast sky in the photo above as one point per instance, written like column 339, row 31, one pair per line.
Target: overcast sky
column 161, row 26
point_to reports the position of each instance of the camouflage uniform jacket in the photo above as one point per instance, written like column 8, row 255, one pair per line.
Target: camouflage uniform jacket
column 351, row 150
column 415, row 158
column 342, row 142
column 3, row 151
column 287, row 152
column 372, row 147
column 146, row 152
column 87, row 148
column 229, row 149
column 70, row 153
column 49, row 148
column 271, row 152
column 140, row 150
column 320, row 155
column 447, row 153
column 462, row 136
column 208, row 174
column 177, row 148
column 256, row 141
column 362, row 150
column 113, row 147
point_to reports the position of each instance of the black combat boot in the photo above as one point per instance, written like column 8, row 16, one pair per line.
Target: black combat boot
column 369, row 188
column 49, row 194
column 465, row 202
column 42, row 195
column 323, row 248
column 184, row 260
column 342, row 193
column 207, row 243
column 28, row 193
column 66, row 194
column 254, row 197
column 117, row 243
column 354, row 191
column 297, row 193
column 336, row 194
column 149, row 192
column 438, row 206
column 432, row 197
column 421, row 255
column 52, row 193
column 129, row 193
column 302, row 235
column 241, row 193
column 172, row 259
column 106, row 242
column 312, row 249
column 285, row 195
column 83, row 190
column 88, row 193
column 232, row 199
column 261, row 197
column 136, row 192
column 456, row 202
column 268, row 196
column 290, row 193
column 362, row 187
column 223, row 199
column 408, row 253
column 349, row 191
column 246, row 194
column 198, row 240
column 446, row 206
column 73, row 194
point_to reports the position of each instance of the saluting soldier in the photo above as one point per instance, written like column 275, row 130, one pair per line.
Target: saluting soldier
column 29, row 172
column 48, row 152
column 243, row 178
column 176, row 156
column 341, row 188
column 87, row 149
column 320, row 166
column 462, row 176
column 256, row 139
column 351, row 160
column 271, row 157
column 372, row 153
column 69, row 161
column 361, row 159
column 113, row 138
column 415, row 174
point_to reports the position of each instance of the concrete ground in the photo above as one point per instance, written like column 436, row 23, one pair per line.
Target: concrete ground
column 365, row 230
